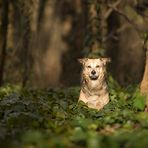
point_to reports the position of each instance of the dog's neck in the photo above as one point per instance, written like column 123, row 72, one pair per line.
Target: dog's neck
column 93, row 87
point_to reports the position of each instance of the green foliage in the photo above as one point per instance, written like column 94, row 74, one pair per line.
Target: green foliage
column 53, row 118
column 139, row 101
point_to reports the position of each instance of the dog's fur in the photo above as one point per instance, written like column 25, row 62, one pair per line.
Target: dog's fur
column 94, row 88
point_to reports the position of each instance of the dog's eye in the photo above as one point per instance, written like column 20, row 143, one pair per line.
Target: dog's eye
column 97, row 66
column 89, row 66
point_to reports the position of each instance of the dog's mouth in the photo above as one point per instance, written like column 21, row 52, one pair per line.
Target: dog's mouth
column 93, row 77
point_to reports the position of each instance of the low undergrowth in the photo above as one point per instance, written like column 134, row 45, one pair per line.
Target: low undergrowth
column 53, row 118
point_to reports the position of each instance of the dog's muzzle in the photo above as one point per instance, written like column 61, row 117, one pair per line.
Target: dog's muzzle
column 93, row 77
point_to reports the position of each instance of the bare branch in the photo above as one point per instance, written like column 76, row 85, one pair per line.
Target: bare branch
column 111, row 9
column 125, row 16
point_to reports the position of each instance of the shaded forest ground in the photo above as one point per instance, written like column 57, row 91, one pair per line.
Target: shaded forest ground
column 52, row 118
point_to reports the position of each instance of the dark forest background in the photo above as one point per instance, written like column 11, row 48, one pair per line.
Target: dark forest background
column 40, row 41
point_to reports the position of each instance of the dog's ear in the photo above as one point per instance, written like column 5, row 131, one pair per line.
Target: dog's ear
column 80, row 61
column 105, row 60
column 83, row 60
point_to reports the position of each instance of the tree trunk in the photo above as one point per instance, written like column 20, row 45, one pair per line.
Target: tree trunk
column 124, row 40
column 144, row 83
column 23, row 12
column 95, row 29
column 3, row 38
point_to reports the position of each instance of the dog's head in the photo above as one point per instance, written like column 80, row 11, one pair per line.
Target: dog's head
column 94, row 69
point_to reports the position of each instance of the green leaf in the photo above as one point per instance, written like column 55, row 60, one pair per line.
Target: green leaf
column 139, row 102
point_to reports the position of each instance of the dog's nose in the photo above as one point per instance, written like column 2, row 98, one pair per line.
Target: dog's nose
column 93, row 72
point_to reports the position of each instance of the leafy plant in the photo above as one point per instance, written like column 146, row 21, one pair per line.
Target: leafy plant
column 53, row 118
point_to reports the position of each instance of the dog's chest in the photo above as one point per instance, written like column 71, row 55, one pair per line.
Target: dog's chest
column 93, row 84
column 94, row 94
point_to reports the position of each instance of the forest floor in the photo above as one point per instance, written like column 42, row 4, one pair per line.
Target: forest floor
column 53, row 119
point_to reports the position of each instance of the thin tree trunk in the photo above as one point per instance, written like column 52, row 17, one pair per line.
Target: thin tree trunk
column 3, row 38
column 144, row 83
column 26, row 14
column 95, row 28
column 42, row 5
column 25, row 53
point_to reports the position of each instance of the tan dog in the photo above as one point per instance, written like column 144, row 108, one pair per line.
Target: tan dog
column 94, row 88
